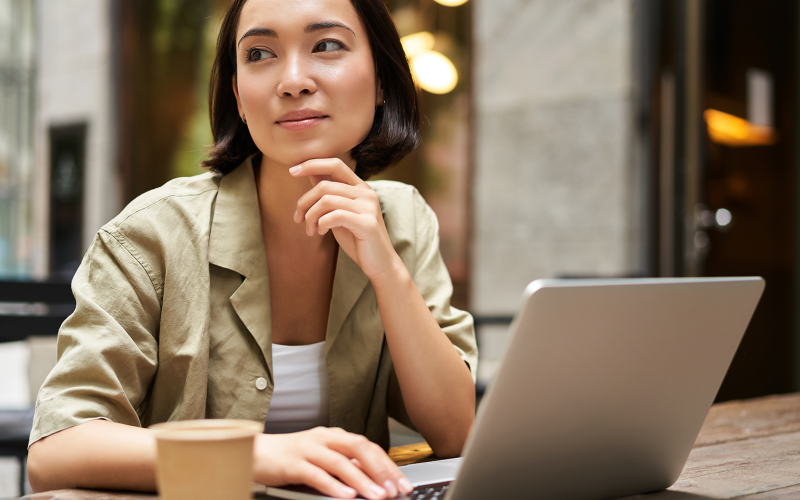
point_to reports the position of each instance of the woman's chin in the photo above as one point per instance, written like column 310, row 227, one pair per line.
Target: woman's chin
column 298, row 157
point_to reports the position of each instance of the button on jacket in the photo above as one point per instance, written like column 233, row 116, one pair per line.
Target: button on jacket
column 173, row 314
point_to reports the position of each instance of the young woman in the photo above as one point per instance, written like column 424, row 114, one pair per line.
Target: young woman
column 278, row 287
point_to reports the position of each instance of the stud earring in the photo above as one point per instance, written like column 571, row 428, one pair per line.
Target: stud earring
column 245, row 121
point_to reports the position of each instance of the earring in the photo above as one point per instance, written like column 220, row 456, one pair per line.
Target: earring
column 245, row 121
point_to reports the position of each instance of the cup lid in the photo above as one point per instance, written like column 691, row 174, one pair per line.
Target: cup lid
column 206, row 429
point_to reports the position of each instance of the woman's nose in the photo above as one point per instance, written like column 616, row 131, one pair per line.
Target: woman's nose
column 296, row 78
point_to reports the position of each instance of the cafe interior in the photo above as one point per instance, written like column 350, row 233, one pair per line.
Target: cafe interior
column 579, row 139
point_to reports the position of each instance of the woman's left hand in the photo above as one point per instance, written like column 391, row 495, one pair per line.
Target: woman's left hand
column 341, row 202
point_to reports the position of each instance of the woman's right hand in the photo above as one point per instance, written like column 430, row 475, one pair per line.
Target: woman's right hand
column 335, row 462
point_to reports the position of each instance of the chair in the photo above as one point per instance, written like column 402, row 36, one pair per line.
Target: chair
column 481, row 321
column 28, row 309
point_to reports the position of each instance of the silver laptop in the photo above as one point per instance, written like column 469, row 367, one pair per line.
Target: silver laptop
column 601, row 392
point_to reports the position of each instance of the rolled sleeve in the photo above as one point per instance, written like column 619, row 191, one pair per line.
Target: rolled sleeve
column 433, row 281
column 108, row 348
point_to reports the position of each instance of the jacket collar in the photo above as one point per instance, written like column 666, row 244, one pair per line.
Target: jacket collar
column 236, row 241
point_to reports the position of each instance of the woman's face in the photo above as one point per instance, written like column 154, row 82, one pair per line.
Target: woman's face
column 305, row 78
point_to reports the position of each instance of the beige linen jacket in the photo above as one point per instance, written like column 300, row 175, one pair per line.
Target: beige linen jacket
column 173, row 314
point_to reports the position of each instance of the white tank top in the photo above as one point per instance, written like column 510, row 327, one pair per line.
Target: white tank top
column 300, row 398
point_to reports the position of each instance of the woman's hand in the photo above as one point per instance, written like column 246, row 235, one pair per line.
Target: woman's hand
column 437, row 386
column 340, row 201
column 333, row 461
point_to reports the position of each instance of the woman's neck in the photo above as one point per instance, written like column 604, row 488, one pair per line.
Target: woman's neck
column 278, row 193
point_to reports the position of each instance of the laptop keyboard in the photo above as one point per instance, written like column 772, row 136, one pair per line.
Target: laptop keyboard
column 429, row 492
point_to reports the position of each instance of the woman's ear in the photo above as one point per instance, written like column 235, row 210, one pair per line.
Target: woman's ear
column 238, row 101
column 379, row 99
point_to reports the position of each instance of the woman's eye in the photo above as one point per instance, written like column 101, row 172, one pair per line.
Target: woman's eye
column 328, row 46
column 258, row 54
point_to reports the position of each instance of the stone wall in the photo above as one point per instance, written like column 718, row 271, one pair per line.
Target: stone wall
column 74, row 84
column 555, row 189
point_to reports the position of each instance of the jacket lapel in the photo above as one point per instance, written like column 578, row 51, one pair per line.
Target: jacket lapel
column 236, row 243
column 348, row 285
column 251, row 302
column 349, row 364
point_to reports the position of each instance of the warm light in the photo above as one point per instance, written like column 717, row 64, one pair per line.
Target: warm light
column 723, row 217
column 417, row 43
column 734, row 131
column 451, row 3
column 434, row 72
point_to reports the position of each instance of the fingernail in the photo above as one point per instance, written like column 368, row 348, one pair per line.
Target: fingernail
column 296, row 216
column 377, row 491
column 405, row 485
column 348, row 492
column 295, row 169
column 390, row 488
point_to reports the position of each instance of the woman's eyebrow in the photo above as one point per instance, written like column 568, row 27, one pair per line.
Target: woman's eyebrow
column 258, row 32
column 313, row 27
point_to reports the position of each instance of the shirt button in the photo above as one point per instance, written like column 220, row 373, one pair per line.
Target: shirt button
column 261, row 383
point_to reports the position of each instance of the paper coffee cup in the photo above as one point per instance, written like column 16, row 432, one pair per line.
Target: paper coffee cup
column 205, row 459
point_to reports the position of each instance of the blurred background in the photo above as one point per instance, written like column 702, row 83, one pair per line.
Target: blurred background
column 579, row 138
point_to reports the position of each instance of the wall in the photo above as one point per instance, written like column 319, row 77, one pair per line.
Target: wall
column 75, row 75
column 555, row 190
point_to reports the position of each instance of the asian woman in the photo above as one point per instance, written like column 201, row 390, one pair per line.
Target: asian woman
column 280, row 286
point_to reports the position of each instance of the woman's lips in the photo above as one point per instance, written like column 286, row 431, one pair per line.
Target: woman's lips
column 301, row 124
column 300, row 119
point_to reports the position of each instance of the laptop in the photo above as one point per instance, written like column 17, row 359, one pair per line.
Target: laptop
column 601, row 392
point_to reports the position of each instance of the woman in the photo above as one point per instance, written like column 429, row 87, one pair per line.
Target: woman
column 278, row 287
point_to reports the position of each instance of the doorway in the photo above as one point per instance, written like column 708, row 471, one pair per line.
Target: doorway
column 724, row 102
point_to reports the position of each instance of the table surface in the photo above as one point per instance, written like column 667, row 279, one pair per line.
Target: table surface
column 746, row 450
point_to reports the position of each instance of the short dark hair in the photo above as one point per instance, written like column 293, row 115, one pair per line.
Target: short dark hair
column 395, row 129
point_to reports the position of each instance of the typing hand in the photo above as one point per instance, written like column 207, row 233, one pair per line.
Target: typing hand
column 335, row 462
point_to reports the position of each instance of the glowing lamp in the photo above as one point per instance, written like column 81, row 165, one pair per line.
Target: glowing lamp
column 416, row 44
column 434, row 72
column 451, row 3
column 731, row 130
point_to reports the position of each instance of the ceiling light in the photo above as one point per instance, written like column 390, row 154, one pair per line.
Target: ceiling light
column 731, row 130
column 417, row 43
column 434, row 72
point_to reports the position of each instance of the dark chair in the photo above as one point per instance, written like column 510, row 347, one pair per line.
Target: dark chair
column 28, row 308
column 503, row 320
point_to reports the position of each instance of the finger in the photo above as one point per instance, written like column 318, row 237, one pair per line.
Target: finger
column 325, row 187
column 327, row 204
column 338, row 465
column 376, row 463
column 307, row 473
column 359, row 224
column 316, row 179
column 334, row 168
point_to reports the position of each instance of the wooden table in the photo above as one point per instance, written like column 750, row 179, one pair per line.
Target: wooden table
column 746, row 450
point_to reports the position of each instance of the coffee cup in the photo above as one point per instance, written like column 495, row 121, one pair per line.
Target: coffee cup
column 205, row 459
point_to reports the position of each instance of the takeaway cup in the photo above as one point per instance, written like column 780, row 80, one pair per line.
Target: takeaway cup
column 205, row 459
